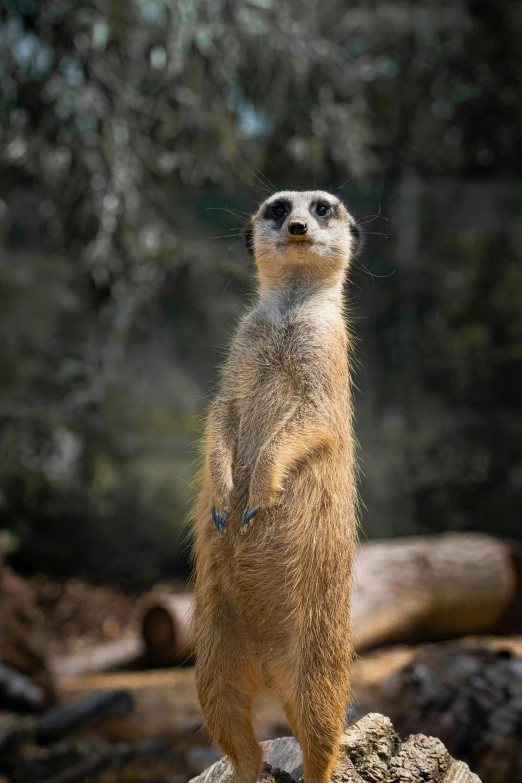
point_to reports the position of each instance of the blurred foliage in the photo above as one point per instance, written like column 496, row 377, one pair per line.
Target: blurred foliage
column 134, row 131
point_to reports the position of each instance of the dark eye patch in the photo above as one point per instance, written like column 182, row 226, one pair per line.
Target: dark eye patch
column 278, row 210
column 323, row 209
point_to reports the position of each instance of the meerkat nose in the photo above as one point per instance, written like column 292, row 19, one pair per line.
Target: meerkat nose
column 297, row 227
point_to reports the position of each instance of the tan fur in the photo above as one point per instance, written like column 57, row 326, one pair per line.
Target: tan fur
column 272, row 605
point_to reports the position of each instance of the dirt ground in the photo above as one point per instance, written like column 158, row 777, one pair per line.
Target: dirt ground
column 75, row 615
column 71, row 616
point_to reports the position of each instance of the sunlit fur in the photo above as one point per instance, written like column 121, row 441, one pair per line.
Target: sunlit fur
column 272, row 604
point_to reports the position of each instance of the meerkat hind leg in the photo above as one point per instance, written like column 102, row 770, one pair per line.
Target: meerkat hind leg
column 318, row 729
column 315, row 708
column 228, row 677
column 233, row 731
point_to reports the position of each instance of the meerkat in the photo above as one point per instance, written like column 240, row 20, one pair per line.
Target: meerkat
column 276, row 518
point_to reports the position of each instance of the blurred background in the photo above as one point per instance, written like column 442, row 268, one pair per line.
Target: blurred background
column 136, row 136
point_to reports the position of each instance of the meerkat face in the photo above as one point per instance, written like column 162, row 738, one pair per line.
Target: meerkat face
column 310, row 229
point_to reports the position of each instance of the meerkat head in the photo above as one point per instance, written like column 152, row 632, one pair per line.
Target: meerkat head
column 308, row 235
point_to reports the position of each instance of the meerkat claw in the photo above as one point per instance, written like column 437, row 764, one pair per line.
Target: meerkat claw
column 248, row 517
column 219, row 519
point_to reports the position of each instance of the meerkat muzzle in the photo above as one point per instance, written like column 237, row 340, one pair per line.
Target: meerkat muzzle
column 297, row 228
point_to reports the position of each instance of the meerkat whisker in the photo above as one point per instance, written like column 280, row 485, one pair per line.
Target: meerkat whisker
column 271, row 188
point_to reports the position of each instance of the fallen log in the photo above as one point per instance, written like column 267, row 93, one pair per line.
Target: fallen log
column 61, row 721
column 19, row 694
column 408, row 590
column 370, row 751
column 424, row 589
column 166, row 628
column 468, row 696
column 57, row 723
column 104, row 657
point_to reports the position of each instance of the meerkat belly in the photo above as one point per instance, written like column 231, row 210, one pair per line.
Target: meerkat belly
column 276, row 564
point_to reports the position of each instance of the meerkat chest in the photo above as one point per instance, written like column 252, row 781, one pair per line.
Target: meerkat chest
column 267, row 378
column 274, row 358
column 277, row 362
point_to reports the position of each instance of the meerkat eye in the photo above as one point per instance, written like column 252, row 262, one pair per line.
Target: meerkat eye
column 322, row 209
column 278, row 210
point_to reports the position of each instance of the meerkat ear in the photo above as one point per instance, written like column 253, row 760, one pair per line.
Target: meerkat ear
column 357, row 239
column 248, row 235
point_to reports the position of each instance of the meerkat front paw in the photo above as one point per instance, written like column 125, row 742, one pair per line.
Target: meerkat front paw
column 220, row 519
column 220, row 469
column 248, row 517
column 219, row 508
column 264, row 490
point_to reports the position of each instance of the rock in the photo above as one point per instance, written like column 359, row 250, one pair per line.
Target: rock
column 371, row 752
column 218, row 772
column 282, row 755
